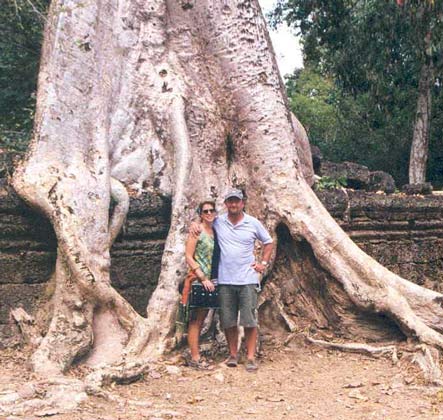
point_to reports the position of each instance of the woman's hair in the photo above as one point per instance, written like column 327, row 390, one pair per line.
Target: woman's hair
column 200, row 206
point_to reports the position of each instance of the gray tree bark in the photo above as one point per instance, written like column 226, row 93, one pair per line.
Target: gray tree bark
column 181, row 97
column 420, row 139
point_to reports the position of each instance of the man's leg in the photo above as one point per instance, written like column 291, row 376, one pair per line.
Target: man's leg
column 232, row 339
column 228, row 317
column 251, row 342
column 248, row 319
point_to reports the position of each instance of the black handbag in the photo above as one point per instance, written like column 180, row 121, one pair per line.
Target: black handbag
column 202, row 298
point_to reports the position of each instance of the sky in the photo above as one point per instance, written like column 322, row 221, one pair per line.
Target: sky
column 286, row 45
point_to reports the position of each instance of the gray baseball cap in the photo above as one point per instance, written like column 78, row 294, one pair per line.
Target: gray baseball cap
column 234, row 193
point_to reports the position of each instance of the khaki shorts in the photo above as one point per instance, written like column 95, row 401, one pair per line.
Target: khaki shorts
column 235, row 299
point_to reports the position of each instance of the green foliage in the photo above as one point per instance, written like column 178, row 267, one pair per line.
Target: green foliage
column 367, row 54
column 328, row 183
column 21, row 26
column 353, row 128
column 313, row 99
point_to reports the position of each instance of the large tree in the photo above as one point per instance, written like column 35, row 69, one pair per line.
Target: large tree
column 381, row 49
column 182, row 98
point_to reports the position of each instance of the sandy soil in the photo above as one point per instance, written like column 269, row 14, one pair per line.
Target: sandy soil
column 293, row 382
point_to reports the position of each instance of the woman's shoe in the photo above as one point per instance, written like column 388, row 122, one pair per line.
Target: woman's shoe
column 197, row 364
column 251, row 365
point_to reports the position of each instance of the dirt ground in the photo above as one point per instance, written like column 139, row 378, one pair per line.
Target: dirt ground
column 293, row 382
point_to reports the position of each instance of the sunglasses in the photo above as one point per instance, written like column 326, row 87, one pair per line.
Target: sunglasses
column 208, row 211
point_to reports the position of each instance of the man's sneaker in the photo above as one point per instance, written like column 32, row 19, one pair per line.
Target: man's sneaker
column 232, row 361
column 251, row 366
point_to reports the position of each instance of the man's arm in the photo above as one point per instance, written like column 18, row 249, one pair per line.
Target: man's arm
column 261, row 266
column 195, row 227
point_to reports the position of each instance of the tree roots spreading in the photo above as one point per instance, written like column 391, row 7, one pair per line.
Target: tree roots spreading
column 186, row 102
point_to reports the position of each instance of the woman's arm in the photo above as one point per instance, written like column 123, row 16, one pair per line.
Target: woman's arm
column 191, row 243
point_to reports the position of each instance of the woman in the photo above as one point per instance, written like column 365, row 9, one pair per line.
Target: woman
column 199, row 253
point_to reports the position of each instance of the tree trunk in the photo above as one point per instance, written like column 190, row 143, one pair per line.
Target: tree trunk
column 420, row 139
column 182, row 97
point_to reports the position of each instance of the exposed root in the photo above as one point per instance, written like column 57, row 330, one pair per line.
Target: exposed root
column 121, row 198
column 369, row 285
column 26, row 326
column 428, row 360
column 44, row 398
column 124, row 372
column 163, row 303
column 272, row 293
column 357, row 348
column 70, row 330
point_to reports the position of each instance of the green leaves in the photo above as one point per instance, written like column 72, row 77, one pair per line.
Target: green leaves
column 328, row 183
column 21, row 27
column 367, row 54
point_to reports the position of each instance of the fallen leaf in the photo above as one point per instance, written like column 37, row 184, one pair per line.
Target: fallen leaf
column 195, row 400
column 354, row 385
column 275, row 399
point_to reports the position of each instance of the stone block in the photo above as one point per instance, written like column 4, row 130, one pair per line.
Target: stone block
column 357, row 176
column 381, row 181
column 19, row 295
column 28, row 267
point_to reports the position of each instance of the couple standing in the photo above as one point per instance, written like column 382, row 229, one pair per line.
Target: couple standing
column 238, row 273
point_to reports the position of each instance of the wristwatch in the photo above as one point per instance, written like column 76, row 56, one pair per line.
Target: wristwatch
column 265, row 263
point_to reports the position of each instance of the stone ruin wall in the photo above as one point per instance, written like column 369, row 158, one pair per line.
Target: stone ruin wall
column 404, row 233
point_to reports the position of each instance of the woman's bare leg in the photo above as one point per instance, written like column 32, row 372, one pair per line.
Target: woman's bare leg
column 194, row 329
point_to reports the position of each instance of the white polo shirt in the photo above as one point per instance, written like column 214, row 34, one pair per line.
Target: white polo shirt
column 237, row 249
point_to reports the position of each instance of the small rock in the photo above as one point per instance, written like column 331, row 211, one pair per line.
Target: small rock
column 154, row 374
column 409, row 380
column 173, row 370
column 9, row 398
column 397, row 382
column 250, row 411
column 421, row 189
column 140, row 403
column 168, row 414
column 357, row 395
column 219, row 377
column 48, row 412
column 26, row 391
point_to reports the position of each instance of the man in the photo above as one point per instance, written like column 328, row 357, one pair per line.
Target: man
column 238, row 274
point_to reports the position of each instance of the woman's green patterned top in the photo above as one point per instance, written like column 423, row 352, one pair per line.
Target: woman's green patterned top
column 203, row 253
